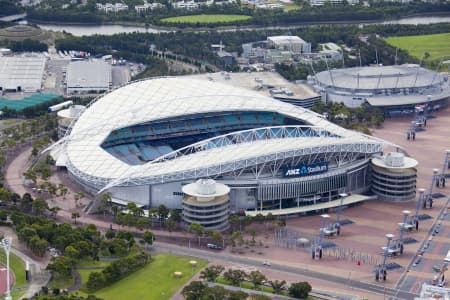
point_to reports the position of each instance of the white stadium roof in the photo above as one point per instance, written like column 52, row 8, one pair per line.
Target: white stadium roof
column 155, row 99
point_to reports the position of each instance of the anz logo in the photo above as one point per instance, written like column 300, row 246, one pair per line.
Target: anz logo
column 304, row 170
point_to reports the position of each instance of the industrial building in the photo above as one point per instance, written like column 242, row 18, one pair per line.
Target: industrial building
column 21, row 73
column 394, row 89
column 92, row 76
column 147, row 141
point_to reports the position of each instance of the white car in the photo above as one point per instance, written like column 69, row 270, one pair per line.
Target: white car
column 266, row 263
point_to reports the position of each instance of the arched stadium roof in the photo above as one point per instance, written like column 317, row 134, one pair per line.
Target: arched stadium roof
column 154, row 99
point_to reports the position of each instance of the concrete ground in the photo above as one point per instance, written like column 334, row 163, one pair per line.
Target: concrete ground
column 372, row 220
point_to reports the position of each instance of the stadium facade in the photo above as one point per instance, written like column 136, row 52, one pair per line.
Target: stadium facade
column 146, row 141
column 396, row 90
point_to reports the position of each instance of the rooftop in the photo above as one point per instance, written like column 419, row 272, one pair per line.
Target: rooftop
column 22, row 71
column 86, row 74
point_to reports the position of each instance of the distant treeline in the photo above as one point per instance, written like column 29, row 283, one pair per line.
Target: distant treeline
column 195, row 47
column 9, row 7
column 327, row 13
column 27, row 45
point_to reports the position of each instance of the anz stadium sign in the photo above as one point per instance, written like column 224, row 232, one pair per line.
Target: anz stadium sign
column 306, row 170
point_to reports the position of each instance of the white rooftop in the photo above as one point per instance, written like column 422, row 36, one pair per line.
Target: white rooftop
column 281, row 39
column 22, row 71
column 89, row 74
column 154, row 99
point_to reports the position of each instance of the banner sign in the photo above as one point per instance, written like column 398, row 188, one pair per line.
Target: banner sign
column 306, row 170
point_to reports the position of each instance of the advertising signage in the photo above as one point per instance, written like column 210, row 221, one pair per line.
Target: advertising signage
column 306, row 170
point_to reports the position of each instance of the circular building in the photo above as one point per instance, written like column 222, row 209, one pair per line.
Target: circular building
column 67, row 116
column 394, row 177
column 144, row 141
column 206, row 202
column 394, row 89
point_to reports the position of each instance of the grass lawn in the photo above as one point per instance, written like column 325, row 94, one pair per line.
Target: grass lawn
column 154, row 282
column 18, row 267
column 61, row 283
column 206, row 19
column 292, row 7
column 437, row 45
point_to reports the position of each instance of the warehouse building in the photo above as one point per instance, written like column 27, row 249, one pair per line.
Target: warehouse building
column 21, row 73
column 86, row 77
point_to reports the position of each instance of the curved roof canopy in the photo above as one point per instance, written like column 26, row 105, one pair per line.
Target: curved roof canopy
column 154, row 99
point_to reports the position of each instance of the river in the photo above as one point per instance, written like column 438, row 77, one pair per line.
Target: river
column 80, row 30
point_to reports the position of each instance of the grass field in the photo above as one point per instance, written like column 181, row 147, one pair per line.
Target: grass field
column 206, row 19
column 290, row 7
column 437, row 45
column 18, row 267
column 154, row 282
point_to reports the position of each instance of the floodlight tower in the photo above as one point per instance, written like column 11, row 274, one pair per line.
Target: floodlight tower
column 397, row 247
column 411, row 132
column 428, row 203
column 6, row 245
column 445, row 167
column 420, row 203
column 381, row 270
column 317, row 248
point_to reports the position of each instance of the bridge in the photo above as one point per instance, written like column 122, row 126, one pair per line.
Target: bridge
column 13, row 18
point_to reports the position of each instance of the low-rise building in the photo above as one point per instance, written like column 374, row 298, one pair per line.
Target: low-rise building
column 108, row 7
column 88, row 77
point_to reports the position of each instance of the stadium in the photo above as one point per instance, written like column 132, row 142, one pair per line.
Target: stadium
column 149, row 141
column 396, row 90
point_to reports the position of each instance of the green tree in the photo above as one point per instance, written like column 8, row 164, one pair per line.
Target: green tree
column 72, row 253
column 235, row 277
column 75, row 216
column 62, row 266
column 211, row 273
column 215, row 293
column 163, row 212
column 39, row 206
column 277, row 286
column 300, row 290
column 148, row 238
column 257, row 278
column 237, row 295
column 194, row 290
column 96, row 281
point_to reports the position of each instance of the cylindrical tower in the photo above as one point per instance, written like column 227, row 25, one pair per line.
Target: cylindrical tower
column 394, row 177
column 206, row 202
column 66, row 117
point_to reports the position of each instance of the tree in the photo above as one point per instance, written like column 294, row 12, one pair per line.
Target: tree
column 71, row 252
column 163, row 212
column 237, row 295
column 211, row 273
column 194, row 290
column 175, row 215
column 62, row 266
column 148, row 237
column 235, row 277
column 37, row 245
column 63, row 190
column 300, row 290
column 257, row 278
column 234, row 221
column 196, row 228
column 96, row 281
column 217, row 237
column 39, row 206
column 215, row 293
column 277, row 286
column 75, row 216
column 26, row 201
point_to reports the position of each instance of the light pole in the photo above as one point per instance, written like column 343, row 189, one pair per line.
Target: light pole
column 6, row 245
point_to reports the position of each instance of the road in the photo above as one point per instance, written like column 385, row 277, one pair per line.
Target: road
column 397, row 294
